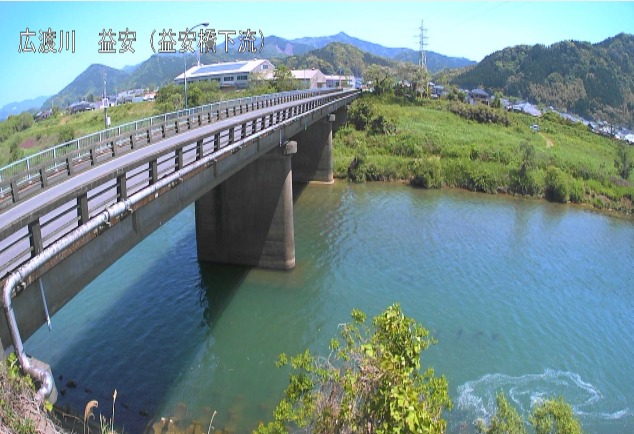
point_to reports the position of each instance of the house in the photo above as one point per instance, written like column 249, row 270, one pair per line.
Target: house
column 81, row 106
column 526, row 107
column 479, row 95
column 309, row 78
column 344, row 81
column 227, row 74
column 41, row 115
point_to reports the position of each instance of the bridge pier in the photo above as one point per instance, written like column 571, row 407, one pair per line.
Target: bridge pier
column 248, row 219
column 313, row 161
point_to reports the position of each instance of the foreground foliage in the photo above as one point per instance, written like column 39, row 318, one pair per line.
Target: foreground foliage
column 20, row 411
column 548, row 417
column 371, row 382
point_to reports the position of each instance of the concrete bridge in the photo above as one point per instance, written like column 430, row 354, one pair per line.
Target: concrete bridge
column 66, row 218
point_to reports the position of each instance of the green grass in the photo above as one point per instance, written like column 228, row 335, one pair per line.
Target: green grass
column 482, row 157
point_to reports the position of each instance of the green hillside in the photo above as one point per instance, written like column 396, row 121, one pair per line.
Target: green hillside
column 335, row 58
column 89, row 82
column 591, row 80
column 431, row 144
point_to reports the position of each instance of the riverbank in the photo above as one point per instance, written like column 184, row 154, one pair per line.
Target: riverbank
column 432, row 144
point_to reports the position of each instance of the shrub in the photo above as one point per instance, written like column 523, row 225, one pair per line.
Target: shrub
column 380, row 125
column 480, row 113
column 576, row 191
column 66, row 134
column 556, row 185
column 427, row 172
column 360, row 114
column 525, row 183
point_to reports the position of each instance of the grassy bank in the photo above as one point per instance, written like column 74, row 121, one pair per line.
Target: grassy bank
column 435, row 144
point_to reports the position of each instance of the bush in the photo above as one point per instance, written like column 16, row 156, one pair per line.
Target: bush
column 371, row 382
column 525, row 183
column 427, row 172
column 360, row 114
column 66, row 134
column 576, row 191
column 480, row 113
column 556, row 185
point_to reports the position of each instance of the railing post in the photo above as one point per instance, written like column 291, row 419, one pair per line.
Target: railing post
column 36, row 238
column 199, row 149
column 69, row 164
column 149, row 135
column 153, row 171
column 14, row 191
column 163, row 130
column 231, row 133
column 243, row 131
column 179, row 159
column 216, row 141
column 82, row 208
column 44, row 176
column 122, row 187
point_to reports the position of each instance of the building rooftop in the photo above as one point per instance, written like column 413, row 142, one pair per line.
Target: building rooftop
column 222, row 68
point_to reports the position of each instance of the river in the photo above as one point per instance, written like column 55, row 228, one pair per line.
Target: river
column 524, row 296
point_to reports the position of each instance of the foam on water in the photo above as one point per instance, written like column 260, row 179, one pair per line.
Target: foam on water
column 478, row 397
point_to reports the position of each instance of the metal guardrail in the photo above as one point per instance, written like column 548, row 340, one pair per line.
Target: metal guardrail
column 36, row 168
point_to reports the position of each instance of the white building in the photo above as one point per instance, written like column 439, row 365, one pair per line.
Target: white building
column 309, row 78
column 344, row 81
column 228, row 74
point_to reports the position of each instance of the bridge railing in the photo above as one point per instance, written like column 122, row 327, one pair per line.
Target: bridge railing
column 30, row 234
column 25, row 177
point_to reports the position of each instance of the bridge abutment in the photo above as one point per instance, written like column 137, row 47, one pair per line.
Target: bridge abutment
column 248, row 219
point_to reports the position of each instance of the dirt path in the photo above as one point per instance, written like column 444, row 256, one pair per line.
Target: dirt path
column 549, row 143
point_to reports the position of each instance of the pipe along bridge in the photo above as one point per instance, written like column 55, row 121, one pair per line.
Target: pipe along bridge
column 67, row 215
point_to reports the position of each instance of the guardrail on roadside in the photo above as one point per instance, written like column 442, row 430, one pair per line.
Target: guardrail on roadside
column 39, row 167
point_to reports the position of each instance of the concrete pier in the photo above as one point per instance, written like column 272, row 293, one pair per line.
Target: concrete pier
column 313, row 161
column 248, row 219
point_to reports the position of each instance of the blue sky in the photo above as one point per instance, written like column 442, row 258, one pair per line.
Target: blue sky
column 464, row 29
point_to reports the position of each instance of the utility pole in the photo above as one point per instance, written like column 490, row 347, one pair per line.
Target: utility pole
column 104, row 102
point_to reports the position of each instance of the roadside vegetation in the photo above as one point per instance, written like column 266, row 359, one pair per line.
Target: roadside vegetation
column 21, row 135
column 441, row 143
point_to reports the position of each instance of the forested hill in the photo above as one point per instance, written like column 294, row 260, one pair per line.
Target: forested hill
column 594, row 80
column 337, row 58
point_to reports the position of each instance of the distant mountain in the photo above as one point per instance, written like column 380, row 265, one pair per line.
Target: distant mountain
column 337, row 58
column 156, row 71
column 15, row 108
column 594, row 80
column 161, row 69
column 435, row 62
column 89, row 82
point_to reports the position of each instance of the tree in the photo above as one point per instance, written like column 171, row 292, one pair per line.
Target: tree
column 548, row 417
column 555, row 417
column 283, row 79
column 506, row 420
column 371, row 382
column 416, row 77
column 381, row 78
